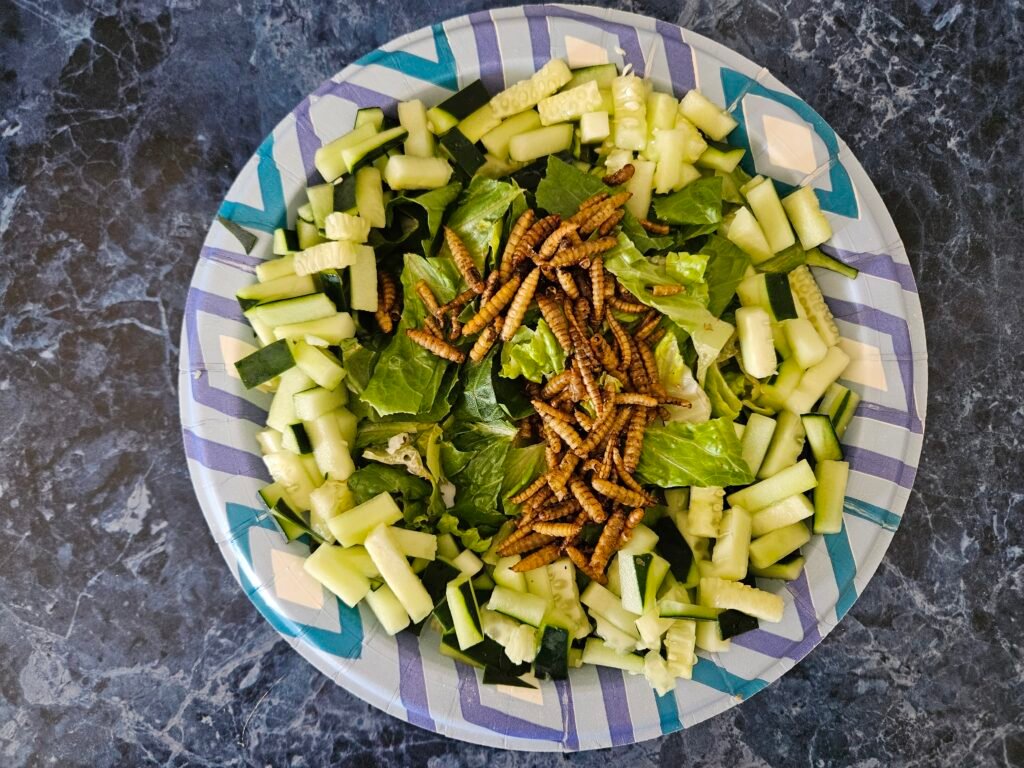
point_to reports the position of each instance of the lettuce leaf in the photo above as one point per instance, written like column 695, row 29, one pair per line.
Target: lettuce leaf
column 419, row 215
column 680, row 454
column 724, row 402
column 480, row 214
column 522, row 466
column 678, row 381
column 412, row 492
column 698, row 204
column 727, row 265
column 687, row 267
column 636, row 273
column 532, row 354
column 408, row 378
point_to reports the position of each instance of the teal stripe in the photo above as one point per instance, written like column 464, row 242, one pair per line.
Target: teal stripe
column 871, row 513
column 844, row 568
column 668, row 712
column 710, row 674
column 274, row 211
column 442, row 72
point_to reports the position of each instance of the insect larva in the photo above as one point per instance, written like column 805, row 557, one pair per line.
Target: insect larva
column 436, row 345
column 463, row 260
column 634, row 439
column 552, row 241
column 635, row 398
column 600, row 210
column 650, row 365
column 534, row 236
column 427, row 297
column 455, row 306
column 608, row 462
column 557, row 511
column 600, row 430
column 558, row 479
column 632, row 521
column 556, row 321
column 578, row 253
column 387, row 292
column 655, row 337
column 484, row 342
column 568, row 284
column 556, row 383
column 526, row 543
column 603, row 350
column 561, row 530
column 655, row 227
column 563, row 429
column 491, row 308
column 608, row 542
column 580, row 561
column 529, row 490
column 537, row 559
column 490, row 286
column 624, row 305
column 666, row 290
column 648, row 325
column 594, row 199
column 621, row 176
column 520, row 303
column 611, row 222
column 583, row 420
column 621, row 339
column 588, row 501
column 432, row 326
column 625, row 477
column 519, row 229
column 456, row 329
column 544, row 409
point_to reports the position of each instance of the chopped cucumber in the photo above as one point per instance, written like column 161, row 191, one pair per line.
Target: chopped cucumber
column 767, row 209
column 465, row 612
column 822, row 438
column 789, row 510
column 709, row 117
column 798, row 478
column 570, row 104
column 540, row 142
column 525, row 607
column 769, row 549
column 497, row 140
column 418, row 544
column 354, row 525
column 331, row 567
column 397, row 573
column 786, row 445
column 804, row 212
column 596, row 652
column 528, row 93
column 389, row 611
column 404, row 172
column 719, row 593
column 830, row 495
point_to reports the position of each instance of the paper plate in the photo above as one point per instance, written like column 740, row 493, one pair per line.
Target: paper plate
column 878, row 315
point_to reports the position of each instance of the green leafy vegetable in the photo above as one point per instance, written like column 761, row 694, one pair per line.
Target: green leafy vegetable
column 532, row 354
column 686, row 267
column 480, row 210
column 678, row 381
column 726, row 266
column 522, row 466
column 679, row 454
column 708, row 343
column 785, row 260
column 478, row 401
column 637, row 273
column 374, row 479
column 698, row 204
column 724, row 402
column 427, row 209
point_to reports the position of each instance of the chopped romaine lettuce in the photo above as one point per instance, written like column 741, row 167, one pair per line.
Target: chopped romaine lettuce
column 679, row 454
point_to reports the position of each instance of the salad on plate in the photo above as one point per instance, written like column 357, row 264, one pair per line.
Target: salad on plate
column 551, row 376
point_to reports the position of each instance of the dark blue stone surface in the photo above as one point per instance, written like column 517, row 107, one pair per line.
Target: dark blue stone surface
column 123, row 638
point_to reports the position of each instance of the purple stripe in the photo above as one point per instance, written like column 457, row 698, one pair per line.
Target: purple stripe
column 487, row 51
column 537, row 15
column 779, row 647
column 241, row 261
column 570, row 737
column 880, row 465
column 493, row 719
column 412, row 686
column 223, row 458
column 894, row 327
column 309, row 142
column 358, row 95
column 885, row 414
column 616, row 708
column 877, row 264
column 202, row 392
column 678, row 56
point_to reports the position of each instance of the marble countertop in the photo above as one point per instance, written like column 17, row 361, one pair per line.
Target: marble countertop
column 123, row 638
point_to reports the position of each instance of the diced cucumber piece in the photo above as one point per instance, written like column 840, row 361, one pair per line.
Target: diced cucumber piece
column 757, row 347
column 363, row 282
column 680, row 648
column 639, row 577
column 354, row 525
column 333, row 254
column 640, row 186
column 497, row 140
column 601, row 600
column 743, row 230
column 370, row 149
column 613, row 637
column 642, row 540
column 328, row 159
column 595, row 127
column 370, row 196
column 798, row 478
column 719, row 593
column 289, row 311
column 345, row 226
column 465, row 612
column 732, row 623
column 804, row 212
column 466, row 101
column 329, row 447
column 809, row 296
column 671, row 609
column 771, row 547
column 767, row 209
column 596, row 652
column 564, row 609
column 270, row 442
column 540, row 142
column 816, row 380
column 651, row 627
column 319, row 364
column 729, row 557
column 475, row 125
column 282, row 409
column 370, row 115
column 412, row 116
column 332, row 329
column 504, row 576
column 309, row 234
column 295, row 439
column 662, row 109
column 790, row 510
column 829, row 496
column 777, row 389
column 756, row 438
column 397, row 573
column 668, row 146
column 709, row 117
column 285, row 287
column 629, row 130
column 525, row 607
column 288, row 471
column 447, row 548
column 286, row 241
column 770, row 291
column 527, row 93
column 806, row 346
column 709, row 638
column 275, row 268
column 570, row 104
column 418, row 544
column 404, row 172
column 347, row 424
column 721, row 159
column 822, row 438
column 327, row 502
column 788, row 569
column 839, row 404
column 552, row 659
column 332, row 567
column 786, row 446
column 602, row 74
column 468, row 563
column 705, row 511
column 265, row 364
column 388, row 610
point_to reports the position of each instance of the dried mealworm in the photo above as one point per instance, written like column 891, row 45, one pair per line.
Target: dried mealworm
column 666, row 290
column 454, row 307
column 634, row 439
column 556, row 321
column 650, row 365
column 529, row 490
column 436, row 345
column 432, row 326
column 427, row 297
column 534, row 236
column 611, row 222
column 387, row 293
column 456, row 329
column 625, row 477
column 593, row 466
column 552, row 241
column 581, row 308
column 625, row 305
column 544, row 409
column 561, row 530
column 558, row 479
column 578, row 253
column 519, row 229
column 556, row 383
column 521, row 532
column 654, row 227
column 584, row 420
column 601, row 429
column 608, row 462
column 525, row 544
column 608, row 542
column 621, row 176
column 635, row 398
column 563, row 429
column 520, row 303
column 550, row 438
column 632, row 521
column 594, row 199
column 648, row 325
column 557, row 511
column 599, row 210
column 597, row 287
column 524, row 430
column 655, row 337
column 491, row 309
column 621, row 340
column 580, row 561
column 490, row 286
column 463, row 260
column 588, row 501
column 605, row 354
column 568, row 284
column 537, row 559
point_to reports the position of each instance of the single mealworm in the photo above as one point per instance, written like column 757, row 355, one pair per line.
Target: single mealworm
column 520, row 303
column 556, row 383
column 529, row 490
column 537, row 559
column 624, row 305
column 454, row 307
column 427, row 297
column 624, row 476
column 655, row 227
column 584, row 420
column 437, row 346
column 568, row 284
column 666, row 290
column 463, row 260
column 387, row 292
column 563, row 429
column 608, row 542
column 635, row 518
column 557, row 511
column 579, row 253
column 634, row 439
column 522, row 225
column 611, row 222
column 544, row 409
column 594, row 199
column 524, row 544
column 431, row 326
column 491, row 309
column 559, row 478
column 490, row 286
column 621, row 339
column 635, row 398
column 597, row 288
column 552, row 241
column 580, row 561
column 561, row 530
column 621, row 176
column 588, row 501
column 648, row 326
column 553, row 316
